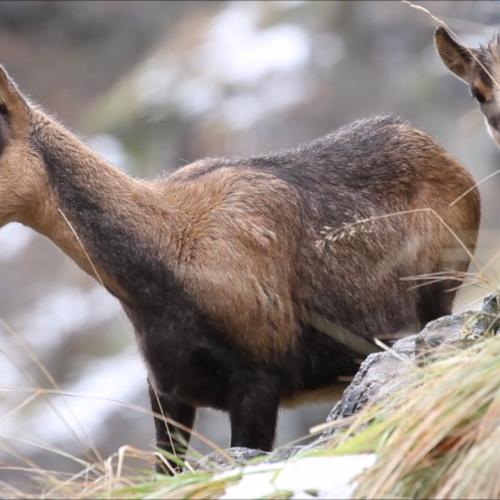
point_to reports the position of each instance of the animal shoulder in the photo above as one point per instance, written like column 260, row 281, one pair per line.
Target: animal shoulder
column 240, row 209
column 205, row 192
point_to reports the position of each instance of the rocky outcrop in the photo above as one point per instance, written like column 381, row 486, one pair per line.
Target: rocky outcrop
column 383, row 373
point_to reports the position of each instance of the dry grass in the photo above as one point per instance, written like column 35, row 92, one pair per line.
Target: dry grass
column 125, row 474
column 440, row 437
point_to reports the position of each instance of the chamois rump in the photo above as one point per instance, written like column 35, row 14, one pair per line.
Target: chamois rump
column 251, row 282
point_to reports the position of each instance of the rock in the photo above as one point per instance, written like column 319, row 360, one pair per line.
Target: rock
column 216, row 461
column 383, row 373
column 379, row 375
column 446, row 330
column 487, row 321
column 283, row 453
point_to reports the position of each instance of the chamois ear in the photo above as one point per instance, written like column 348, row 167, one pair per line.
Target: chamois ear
column 456, row 57
column 13, row 106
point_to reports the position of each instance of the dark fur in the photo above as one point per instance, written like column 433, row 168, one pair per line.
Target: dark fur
column 4, row 128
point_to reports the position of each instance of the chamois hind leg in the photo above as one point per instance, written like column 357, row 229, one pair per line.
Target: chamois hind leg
column 169, row 438
column 253, row 409
column 436, row 300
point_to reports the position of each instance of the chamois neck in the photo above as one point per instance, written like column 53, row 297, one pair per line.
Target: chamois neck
column 83, row 203
column 67, row 157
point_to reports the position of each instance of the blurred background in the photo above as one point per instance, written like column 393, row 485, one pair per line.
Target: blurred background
column 156, row 85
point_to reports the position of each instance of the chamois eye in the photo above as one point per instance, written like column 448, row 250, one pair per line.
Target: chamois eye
column 476, row 94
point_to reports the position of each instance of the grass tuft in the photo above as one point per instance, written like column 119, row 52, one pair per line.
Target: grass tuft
column 440, row 436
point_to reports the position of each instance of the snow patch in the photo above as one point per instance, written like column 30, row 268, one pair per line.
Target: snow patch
column 13, row 239
column 327, row 477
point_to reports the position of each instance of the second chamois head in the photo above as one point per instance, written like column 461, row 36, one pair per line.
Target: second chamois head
column 480, row 69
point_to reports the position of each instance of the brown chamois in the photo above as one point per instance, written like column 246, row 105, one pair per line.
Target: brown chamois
column 480, row 69
column 251, row 281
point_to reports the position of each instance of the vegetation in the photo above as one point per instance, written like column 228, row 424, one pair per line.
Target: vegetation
column 437, row 438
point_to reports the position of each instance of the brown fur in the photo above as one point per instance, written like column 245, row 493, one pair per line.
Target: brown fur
column 483, row 88
column 234, row 259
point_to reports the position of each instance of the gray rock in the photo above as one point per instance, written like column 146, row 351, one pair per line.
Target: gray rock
column 379, row 375
column 446, row 330
column 216, row 461
column 283, row 453
column 383, row 373
column 487, row 321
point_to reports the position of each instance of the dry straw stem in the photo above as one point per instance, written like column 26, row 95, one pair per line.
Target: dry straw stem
column 137, row 408
column 90, row 443
column 339, row 233
column 125, row 474
column 496, row 83
column 474, row 56
column 332, row 235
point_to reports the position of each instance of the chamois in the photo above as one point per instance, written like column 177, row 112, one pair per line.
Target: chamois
column 480, row 69
column 251, row 282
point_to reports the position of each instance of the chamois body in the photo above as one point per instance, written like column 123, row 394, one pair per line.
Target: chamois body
column 251, row 281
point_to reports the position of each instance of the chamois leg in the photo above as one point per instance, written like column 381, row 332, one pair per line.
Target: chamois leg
column 253, row 409
column 436, row 300
column 168, row 437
